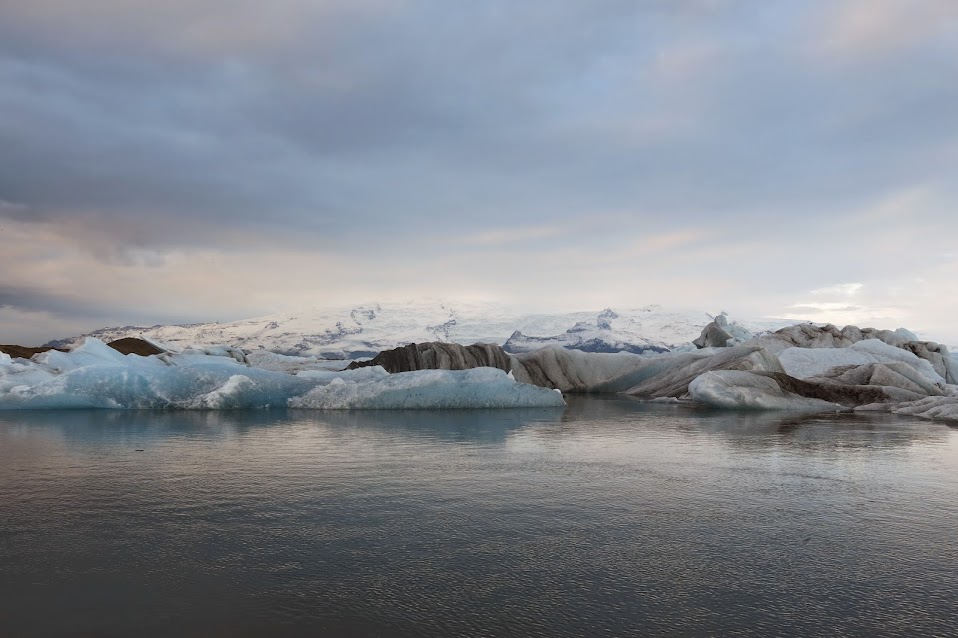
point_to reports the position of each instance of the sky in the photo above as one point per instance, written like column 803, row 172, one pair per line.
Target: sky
column 205, row 160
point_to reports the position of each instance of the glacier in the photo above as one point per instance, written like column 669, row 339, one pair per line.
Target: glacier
column 364, row 331
column 93, row 375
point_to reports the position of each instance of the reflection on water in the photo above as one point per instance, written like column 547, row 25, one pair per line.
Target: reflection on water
column 613, row 517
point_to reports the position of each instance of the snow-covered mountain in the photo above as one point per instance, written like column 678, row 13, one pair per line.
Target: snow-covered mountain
column 363, row 331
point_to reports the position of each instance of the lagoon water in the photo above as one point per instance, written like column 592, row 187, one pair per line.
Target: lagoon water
column 611, row 518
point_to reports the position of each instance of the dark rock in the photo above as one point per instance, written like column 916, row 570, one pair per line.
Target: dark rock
column 605, row 318
column 25, row 352
column 132, row 345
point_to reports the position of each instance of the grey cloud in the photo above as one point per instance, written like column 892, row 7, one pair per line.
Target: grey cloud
column 424, row 113
column 87, row 311
column 143, row 128
column 37, row 300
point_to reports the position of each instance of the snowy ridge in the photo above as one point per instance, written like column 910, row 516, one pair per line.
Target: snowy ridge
column 364, row 331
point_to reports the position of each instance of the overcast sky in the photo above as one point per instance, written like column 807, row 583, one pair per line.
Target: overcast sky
column 196, row 160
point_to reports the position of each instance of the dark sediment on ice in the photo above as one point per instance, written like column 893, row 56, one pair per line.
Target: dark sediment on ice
column 437, row 355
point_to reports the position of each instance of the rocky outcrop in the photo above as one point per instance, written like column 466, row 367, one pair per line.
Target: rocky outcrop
column 127, row 345
column 436, row 355
column 132, row 345
column 25, row 352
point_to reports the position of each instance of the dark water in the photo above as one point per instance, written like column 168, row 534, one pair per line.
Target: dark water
column 612, row 518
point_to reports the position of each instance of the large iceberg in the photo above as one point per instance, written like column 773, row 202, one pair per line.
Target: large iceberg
column 803, row 367
column 427, row 389
column 93, row 375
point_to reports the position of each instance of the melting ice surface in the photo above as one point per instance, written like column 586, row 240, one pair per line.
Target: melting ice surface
column 93, row 375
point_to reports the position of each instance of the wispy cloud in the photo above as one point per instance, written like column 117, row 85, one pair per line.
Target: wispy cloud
column 839, row 290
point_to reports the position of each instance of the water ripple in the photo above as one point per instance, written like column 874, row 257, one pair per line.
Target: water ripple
column 615, row 518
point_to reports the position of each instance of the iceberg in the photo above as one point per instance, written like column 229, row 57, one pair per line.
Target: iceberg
column 737, row 389
column 427, row 389
column 93, row 375
column 803, row 367
column 943, row 408
column 810, row 362
column 721, row 333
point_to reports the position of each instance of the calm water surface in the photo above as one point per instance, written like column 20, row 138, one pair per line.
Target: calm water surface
column 612, row 518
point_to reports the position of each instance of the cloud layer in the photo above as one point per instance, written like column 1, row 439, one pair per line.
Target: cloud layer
column 210, row 160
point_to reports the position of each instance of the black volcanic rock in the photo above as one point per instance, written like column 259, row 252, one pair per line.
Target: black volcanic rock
column 436, row 355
